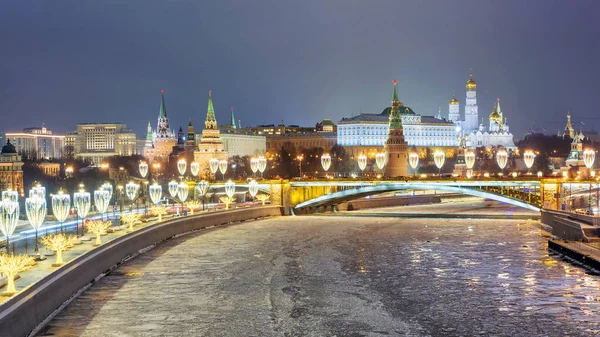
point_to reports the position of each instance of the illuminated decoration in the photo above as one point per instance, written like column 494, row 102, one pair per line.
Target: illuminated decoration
column 230, row 188
column 501, row 158
column 213, row 165
column 35, row 207
column 9, row 217
column 173, row 188
column 181, row 166
column 82, row 203
column 227, row 201
column 194, row 168
column 253, row 188
column 130, row 219
column 10, row 266
column 413, row 160
column 58, row 243
column 254, row 165
column 159, row 211
column 143, row 168
column 380, row 159
column 108, row 187
column 155, row 191
column 183, row 191
column 39, row 191
column 97, row 228
column 201, row 188
column 540, row 174
column 192, row 204
column 326, row 162
column 470, row 159
column 529, row 157
column 61, row 205
column 438, row 158
column 362, row 162
column 263, row 198
column 223, row 167
column 262, row 165
column 131, row 189
column 101, row 199
column 589, row 156
column 10, row 194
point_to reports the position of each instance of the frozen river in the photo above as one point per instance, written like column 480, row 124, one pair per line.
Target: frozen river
column 343, row 276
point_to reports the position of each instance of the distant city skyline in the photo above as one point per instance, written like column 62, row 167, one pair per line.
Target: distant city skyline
column 68, row 63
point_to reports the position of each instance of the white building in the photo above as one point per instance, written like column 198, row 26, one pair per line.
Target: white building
column 98, row 141
column 39, row 143
column 242, row 144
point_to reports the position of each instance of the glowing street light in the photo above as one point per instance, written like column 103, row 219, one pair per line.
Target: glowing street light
column 194, row 168
column 173, row 188
column 131, row 190
column 101, row 199
column 35, row 207
column 182, row 192
column 253, row 188
column 223, row 167
column 326, row 162
column 529, row 157
column 143, row 168
column 413, row 160
column 470, row 159
column 108, row 187
column 362, row 162
column 82, row 203
column 502, row 159
column 181, row 166
column 213, row 164
column 155, row 191
column 262, row 165
column 201, row 189
column 230, row 188
column 9, row 217
column 61, row 205
column 380, row 159
column 438, row 158
column 10, row 194
column 38, row 190
column 589, row 156
column 254, row 165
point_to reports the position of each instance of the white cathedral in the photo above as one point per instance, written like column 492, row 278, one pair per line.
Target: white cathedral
column 498, row 133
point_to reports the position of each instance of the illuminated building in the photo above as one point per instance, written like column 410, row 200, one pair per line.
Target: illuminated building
column 37, row 143
column 497, row 135
column 11, row 169
column 163, row 138
column 96, row 142
column 569, row 130
column 395, row 146
column 210, row 145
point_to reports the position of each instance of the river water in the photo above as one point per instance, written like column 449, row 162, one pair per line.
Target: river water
column 343, row 276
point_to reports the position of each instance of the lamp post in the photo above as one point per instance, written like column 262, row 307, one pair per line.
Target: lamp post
column 213, row 164
column 262, row 165
column 182, row 192
column 155, row 191
column 143, row 168
column 9, row 217
column 194, row 168
column 528, row 158
column 201, row 189
column 253, row 188
column 120, row 188
column 502, row 159
column 254, row 165
column 300, row 158
column 173, row 189
column 362, row 163
column 82, row 203
column 469, row 162
column 589, row 156
column 156, row 168
column 325, row 162
column 223, row 167
column 108, row 187
column 101, row 199
column 438, row 158
column 380, row 159
column 131, row 189
column 413, row 160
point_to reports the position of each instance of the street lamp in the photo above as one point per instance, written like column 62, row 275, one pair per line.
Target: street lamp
column 254, row 165
column 438, row 158
column 325, row 161
column 253, row 188
column 413, row 160
column 299, row 158
column 182, row 192
column 35, row 207
column 156, row 168
column 529, row 157
column 213, row 164
column 502, row 159
column 470, row 162
column 181, row 166
column 155, row 191
column 380, row 159
column 362, row 163
column 201, row 189
column 589, row 156
column 101, row 200
column 173, row 188
column 262, row 165
column 143, row 168
column 131, row 189
column 230, row 188
column 194, row 168
column 9, row 217
column 82, row 203
column 223, row 167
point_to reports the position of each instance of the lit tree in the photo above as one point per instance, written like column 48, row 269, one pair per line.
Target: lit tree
column 10, row 265
column 159, row 211
column 227, row 200
column 58, row 243
column 263, row 197
column 193, row 204
column 98, row 228
column 71, row 241
column 130, row 219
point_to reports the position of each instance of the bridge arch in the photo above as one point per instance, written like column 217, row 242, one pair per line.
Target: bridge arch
column 359, row 192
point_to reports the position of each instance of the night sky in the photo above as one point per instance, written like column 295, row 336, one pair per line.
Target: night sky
column 64, row 62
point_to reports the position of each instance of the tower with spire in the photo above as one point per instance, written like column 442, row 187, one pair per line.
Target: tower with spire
column 148, row 144
column 454, row 109
column 190, row 141
column 163, row 138
column 569, row 130
column 395, row 146
column 232, row 119
column 210, row 145
column 471, row 114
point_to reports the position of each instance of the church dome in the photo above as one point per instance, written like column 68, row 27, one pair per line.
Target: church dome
column 453, row 101
column 495, row 116
column 471, row 84
column 8, row 148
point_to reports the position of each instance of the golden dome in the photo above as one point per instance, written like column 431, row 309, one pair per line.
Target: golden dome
column 495, row 116
column 471, row 84
column 453, row 100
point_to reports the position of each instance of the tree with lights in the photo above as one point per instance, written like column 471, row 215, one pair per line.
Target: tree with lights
column 11, row 265
column 159, row 211
column 130, row 219
column 98, row 228
column 58, row 243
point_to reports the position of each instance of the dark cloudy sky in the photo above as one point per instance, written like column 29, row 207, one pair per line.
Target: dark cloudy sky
column 64, row 62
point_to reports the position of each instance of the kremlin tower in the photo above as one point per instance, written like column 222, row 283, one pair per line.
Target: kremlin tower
column 395, row 146
column 471, row 114
column 163, row 138
column 210, row 145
